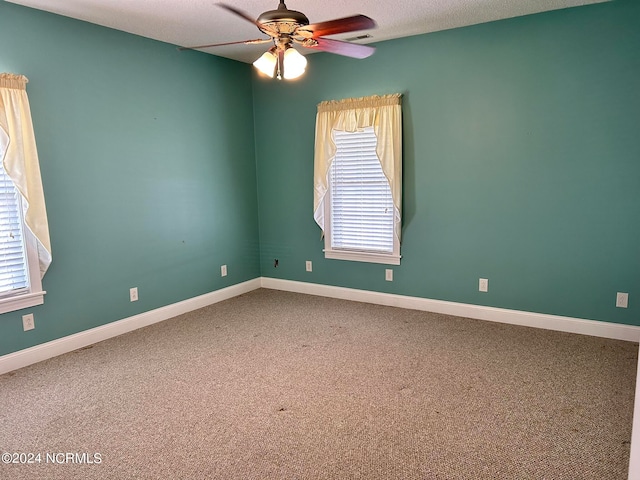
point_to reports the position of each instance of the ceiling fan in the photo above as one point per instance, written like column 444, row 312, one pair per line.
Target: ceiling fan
column 286, row 27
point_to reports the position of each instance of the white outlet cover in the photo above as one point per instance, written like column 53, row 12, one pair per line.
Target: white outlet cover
column 388, row 275
column 622, row 300
column 223, row 271
column 309, row 266
column 133, row 294
column 483, row 285
column 28, row 322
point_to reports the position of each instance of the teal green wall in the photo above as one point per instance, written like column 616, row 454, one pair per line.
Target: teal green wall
column 521, row 163
column 148, row 168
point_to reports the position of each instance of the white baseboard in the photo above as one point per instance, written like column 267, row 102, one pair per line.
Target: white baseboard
column 595, row 328
column 32, row 355
column 41, row 352
column 67, row 344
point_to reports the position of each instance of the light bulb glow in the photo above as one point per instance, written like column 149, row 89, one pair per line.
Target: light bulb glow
column 294, row 64
column 266, row 63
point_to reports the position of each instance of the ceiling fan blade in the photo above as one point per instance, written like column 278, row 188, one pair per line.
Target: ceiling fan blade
column 240, row 13
column 246, row 42
column 340, row 25
column 263, row 28
column 354, row 50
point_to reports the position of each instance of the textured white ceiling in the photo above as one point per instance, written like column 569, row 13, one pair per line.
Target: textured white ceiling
column 198, row 22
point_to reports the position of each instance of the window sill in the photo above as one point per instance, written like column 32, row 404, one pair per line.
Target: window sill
column 19, row 302
column 385, row 258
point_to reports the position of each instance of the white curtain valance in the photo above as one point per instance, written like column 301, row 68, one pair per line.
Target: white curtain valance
column 19, row 156
column 384, row 114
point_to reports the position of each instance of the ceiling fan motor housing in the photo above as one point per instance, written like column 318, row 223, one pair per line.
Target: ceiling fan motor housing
column 282, row 20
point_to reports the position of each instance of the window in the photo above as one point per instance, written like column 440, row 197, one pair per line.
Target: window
column 357, row 176
column 25, row 251
column 20, row 285
column 360, row 203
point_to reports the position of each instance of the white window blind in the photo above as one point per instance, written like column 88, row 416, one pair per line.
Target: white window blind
column 362, row 211
column 14, row 277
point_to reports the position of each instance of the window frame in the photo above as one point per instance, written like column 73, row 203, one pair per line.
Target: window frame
column 33, row 295
column 356, row 255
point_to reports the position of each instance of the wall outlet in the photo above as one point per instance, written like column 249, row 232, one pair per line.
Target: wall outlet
column 28, row 322
column 483, row 285
column 388, row 275
column 223, row 271
column 133, row 294
column 622, row 300
column 309, row 266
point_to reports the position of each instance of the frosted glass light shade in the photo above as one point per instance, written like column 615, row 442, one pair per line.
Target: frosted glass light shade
column 266, row 63
column 294, row 64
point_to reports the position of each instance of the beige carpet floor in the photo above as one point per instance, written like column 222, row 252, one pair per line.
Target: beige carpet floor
column 276, row 385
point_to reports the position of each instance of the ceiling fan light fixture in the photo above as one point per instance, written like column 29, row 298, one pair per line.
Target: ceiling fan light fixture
column 285, row 27
column 266, row 64
column 295, row 64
